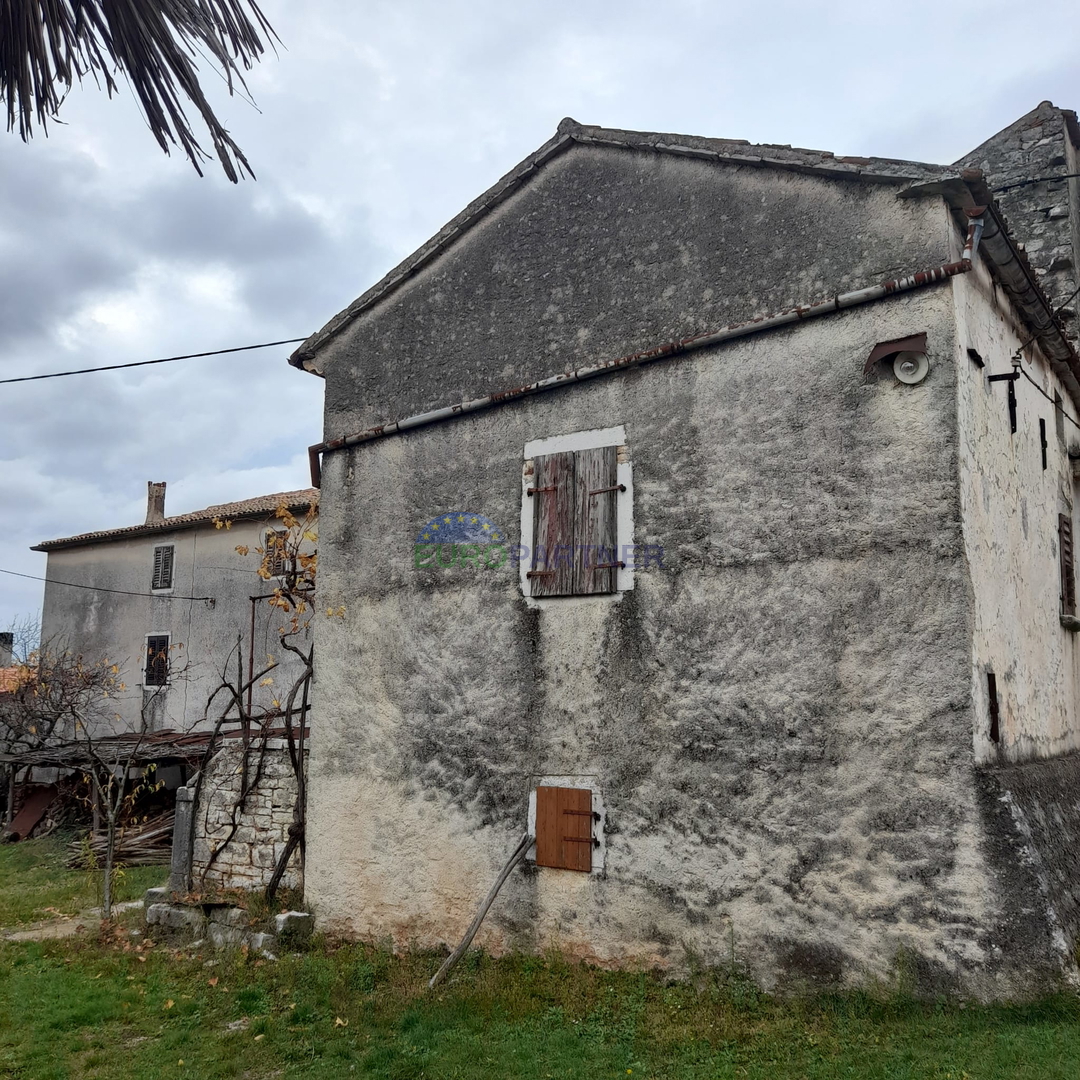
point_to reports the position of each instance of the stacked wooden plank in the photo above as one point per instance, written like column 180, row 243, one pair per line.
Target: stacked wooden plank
column 146, row 844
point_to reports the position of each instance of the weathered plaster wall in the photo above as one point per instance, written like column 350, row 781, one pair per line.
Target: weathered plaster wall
column 247, row 861
column 604, row 253
column 115, row 626
column 779, row 720
column 1010, row 511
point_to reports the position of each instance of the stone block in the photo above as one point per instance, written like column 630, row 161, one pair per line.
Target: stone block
column 161, row 895
column 261, row 942
column 229, row 916
column 263, row 856
column 175, row 917
column 225, row 937
column 294, row 927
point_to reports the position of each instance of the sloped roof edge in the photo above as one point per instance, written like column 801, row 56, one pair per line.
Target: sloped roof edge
column 727, row 151
column 260, row 506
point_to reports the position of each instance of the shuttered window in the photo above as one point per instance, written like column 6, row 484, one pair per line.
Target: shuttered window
column 575, row 515
column 276, row 561
column 1068, row 568
column 157, row 660
column 163, row 567
column 564, row 828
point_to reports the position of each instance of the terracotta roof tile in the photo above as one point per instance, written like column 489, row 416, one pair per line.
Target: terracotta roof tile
column 11, row 678
column 245, row 508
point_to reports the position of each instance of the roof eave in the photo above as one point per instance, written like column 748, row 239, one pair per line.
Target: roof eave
column 157, row 528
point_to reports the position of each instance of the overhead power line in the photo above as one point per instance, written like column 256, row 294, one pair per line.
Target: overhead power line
column 99, row 588
column 1034, row 180
column 144, row 363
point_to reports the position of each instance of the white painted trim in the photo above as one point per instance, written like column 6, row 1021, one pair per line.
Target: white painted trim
column 142, row 664
column 585, row 782
column 624, row 522
column 577, row 440
column 167, row 591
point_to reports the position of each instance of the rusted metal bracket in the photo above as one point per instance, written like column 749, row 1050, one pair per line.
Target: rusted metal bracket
column 539, row 573
column 610, row 566
column 600, row 491
column 1010, row 378
column 584, row 813
column 536, row 491
column 581, row 840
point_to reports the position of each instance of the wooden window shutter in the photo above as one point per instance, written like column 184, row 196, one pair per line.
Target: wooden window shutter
column 163, row 567
column 1068, row 569
column 595, row 536
column 552, row 572
column 274, row 546
column 157, row 661
column 564, row 828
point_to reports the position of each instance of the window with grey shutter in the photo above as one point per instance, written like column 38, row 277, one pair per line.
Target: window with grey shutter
column 163, row 567
column 276, row 560
column 574, row 536
column 1067, row 564
column 157, row 660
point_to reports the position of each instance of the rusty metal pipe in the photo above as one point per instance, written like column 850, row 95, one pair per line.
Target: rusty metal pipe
column 802, row 313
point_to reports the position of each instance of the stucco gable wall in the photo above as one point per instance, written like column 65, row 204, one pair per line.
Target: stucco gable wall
column 779, row 720
column 607, row 252
column 109, row 624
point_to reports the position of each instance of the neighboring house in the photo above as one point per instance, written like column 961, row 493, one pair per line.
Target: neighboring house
column 821, row 713
column 175, row 606
column 10, row 673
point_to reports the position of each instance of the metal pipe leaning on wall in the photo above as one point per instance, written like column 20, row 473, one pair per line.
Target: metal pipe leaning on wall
column 731, row 332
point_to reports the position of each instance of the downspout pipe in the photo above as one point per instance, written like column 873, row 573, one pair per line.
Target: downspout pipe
column 802, row 313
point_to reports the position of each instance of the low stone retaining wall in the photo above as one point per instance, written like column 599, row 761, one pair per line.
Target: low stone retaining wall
column 224, row 926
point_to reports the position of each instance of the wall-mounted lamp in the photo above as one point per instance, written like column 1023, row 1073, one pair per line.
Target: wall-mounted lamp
column 910, row 367
column 908, row 356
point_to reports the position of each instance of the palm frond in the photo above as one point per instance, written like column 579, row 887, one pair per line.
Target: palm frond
column 48, row 45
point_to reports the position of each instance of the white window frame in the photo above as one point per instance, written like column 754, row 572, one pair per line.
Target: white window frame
column 586, row 782
column 146, row 653
column 172, row 576
column 624, row 519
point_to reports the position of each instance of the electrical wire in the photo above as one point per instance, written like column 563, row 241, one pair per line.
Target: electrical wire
column 144, row 363
column 100, row 588
column 1057, row 311
column 1057, row 406
column 1034, row 180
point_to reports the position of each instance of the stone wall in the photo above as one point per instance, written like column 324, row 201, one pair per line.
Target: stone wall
column 262, row 830
column 1045, row 215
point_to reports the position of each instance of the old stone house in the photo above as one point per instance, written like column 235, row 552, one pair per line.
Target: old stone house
column 175, row 605
column 761, row 618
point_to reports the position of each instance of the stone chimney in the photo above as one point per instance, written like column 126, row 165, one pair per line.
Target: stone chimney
column 155, row 502
column 1043, row 216
column 7, row 644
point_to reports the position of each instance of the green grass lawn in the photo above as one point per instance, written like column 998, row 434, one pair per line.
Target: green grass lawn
column 114, row 1007
column 36, row 884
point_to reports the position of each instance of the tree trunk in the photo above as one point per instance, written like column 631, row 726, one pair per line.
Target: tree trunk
column 110, row 850
column 9, row 816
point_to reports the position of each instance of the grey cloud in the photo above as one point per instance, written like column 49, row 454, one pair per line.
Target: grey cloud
column 378, row 123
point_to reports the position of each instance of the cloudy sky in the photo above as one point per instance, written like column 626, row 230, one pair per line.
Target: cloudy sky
column 376, row 123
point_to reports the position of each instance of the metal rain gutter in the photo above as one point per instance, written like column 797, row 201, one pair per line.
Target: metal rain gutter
column 799, row 314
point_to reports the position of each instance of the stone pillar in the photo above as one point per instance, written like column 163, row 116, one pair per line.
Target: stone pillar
column 183, row 840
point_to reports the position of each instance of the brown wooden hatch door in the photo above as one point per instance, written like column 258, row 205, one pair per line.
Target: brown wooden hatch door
column 564, row 833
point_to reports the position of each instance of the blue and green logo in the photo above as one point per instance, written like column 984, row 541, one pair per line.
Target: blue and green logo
column 460, row 538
